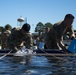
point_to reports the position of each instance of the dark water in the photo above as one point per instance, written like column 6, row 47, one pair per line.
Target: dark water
column 38, row 65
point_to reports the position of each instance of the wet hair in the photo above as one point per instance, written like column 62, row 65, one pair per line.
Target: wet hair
column 69, row 16
column 26, row 27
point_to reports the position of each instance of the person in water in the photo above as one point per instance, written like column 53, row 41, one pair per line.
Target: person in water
column 54, row 38
column 21, row 37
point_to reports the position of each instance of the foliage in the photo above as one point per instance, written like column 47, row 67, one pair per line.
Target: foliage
column 39, row 27
column 48, row 24
column 9, row 26
column 1, row 29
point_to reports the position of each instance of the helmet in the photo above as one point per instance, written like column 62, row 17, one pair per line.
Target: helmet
column 26, row 27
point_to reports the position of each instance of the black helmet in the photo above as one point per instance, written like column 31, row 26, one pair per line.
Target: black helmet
column 26, row 27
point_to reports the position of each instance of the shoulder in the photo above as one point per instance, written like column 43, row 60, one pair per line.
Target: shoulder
column 28, row 34
column 58, row 23
column 7, row 31
column 15, row 32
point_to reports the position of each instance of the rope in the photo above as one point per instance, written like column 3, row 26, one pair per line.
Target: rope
column 54, row 56
column 5, row 54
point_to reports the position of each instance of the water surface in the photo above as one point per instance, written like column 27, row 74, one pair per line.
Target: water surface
column 38, row 65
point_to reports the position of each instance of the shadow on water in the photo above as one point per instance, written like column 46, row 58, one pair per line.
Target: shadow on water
column 37, row 65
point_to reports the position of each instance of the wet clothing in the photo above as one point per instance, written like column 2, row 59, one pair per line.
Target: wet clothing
column 4, row 38
column 17, row 40
column 54, row 37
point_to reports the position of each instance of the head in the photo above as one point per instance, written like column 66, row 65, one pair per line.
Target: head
column 68, row 20
column 26, row 27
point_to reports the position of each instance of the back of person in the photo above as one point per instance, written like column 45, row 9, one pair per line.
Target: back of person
column 15, row 38
column 28, row 40
column 4, row 38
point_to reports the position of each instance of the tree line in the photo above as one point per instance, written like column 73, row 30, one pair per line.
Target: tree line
column 39, row 27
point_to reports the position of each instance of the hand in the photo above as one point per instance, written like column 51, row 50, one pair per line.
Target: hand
column 72, row 38
column 16, row 48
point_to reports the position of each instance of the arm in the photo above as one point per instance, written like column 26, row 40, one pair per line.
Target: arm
column 72, row 35
column 60, row 44
column 28, row 40
column 71, row 31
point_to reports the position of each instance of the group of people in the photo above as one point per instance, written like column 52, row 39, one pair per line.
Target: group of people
column 52, row 38
column 19, row 38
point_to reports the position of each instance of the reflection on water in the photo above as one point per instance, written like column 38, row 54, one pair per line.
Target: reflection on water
column 37, row 65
